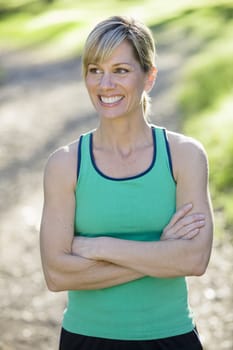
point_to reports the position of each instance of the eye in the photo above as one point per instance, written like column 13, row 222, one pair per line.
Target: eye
column 121, row 70
column 94, row 70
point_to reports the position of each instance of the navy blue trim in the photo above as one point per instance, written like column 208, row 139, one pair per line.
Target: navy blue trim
column 79, row 149
column 123, row 178
column 168, row 153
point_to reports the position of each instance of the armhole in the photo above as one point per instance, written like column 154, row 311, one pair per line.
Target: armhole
column 168, row 154
column 79, row 154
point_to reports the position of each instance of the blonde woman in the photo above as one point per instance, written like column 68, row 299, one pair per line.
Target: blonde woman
column 127, row 213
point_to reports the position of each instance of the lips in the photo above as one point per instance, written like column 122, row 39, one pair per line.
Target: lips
column 110, row 99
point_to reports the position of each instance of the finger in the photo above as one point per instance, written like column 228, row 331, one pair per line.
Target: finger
column 194, row 219
column 179, row 231
column 189, row 228
column 180, row 214
column 191, row 234
column 183, row 226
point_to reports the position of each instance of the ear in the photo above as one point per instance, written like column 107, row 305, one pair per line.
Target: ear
column 151, row 79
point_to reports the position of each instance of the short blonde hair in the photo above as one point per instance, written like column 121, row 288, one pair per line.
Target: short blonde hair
column 110, row 33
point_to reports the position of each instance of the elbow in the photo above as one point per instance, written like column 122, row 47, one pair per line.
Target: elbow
column 53, row 287
column 199, row 270
column 53, row 282
column 200, row 260
column 200, row 265
column 54, row 274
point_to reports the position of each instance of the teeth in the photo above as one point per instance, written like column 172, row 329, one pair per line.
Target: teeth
column 111, row 99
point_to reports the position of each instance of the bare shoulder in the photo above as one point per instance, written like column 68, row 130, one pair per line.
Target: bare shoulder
column 62, row 164
column 185, row 145
column 186, row 152
column 63, row 155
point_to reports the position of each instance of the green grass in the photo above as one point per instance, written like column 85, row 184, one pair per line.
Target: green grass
column 206, row 101
column 14, row 35
column 209, row 74
column 66, row 23
column 61, row 26
column 215, row 130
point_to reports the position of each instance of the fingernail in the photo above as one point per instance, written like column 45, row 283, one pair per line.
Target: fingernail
column 201, row 222
column 189, row 205
column 201, row 216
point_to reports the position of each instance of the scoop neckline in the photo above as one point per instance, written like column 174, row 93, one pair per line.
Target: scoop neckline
column 141, row 174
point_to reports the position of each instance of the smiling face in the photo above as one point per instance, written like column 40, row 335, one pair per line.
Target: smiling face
column 117, row 84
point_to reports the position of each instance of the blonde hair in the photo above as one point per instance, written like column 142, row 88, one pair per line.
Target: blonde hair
column 109, row 34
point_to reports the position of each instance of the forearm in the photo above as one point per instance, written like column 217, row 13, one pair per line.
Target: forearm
column 71, row 272
column 169, row 258
column 183, row 250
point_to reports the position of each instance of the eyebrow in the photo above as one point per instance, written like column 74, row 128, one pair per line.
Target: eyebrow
column 114, row 65
column 122, row 63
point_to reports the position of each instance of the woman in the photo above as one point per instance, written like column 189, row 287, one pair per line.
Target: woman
column 127, row 213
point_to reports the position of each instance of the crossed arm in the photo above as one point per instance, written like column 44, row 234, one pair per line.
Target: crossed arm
column 62, row 269
column 91, row 263
column 176, row 254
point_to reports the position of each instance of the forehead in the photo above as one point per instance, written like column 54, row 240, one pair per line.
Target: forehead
column 123, row 53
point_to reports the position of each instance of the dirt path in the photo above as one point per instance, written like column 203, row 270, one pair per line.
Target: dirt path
column 44, row 105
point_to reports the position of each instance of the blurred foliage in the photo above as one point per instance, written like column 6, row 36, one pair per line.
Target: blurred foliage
column 23, row 23
column 209, row 74
column 206, row 99
column 59, row 26
column 214, row 128
column 32, row 23
column 14, row 7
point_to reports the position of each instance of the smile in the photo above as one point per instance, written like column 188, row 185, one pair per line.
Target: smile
column 111, row 99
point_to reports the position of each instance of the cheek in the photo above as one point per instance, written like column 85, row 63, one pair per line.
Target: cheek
column 138, row 89
column 90, row 83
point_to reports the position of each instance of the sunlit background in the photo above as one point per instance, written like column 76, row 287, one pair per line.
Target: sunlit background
column 44, row 105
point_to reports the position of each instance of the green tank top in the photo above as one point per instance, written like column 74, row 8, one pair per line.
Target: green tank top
column 134, row 208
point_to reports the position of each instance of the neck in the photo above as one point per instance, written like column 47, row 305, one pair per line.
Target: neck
column 122, row 136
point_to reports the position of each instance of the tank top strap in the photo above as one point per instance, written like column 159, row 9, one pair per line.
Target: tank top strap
column 163, row 153
column 83, row 155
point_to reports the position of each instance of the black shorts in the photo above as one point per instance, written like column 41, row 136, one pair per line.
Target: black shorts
column 72, row 341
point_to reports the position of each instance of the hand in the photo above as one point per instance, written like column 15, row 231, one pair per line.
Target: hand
column 183, row 226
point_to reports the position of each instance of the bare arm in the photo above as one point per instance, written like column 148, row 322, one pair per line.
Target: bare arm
column 178, row 253
column 62, row 269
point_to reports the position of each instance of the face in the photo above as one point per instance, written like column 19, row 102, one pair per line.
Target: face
column 116, row 85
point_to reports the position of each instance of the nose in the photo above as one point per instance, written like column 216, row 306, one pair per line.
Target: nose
column 107, row 81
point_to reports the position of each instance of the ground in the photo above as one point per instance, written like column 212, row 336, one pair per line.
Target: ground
column 44, row 105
